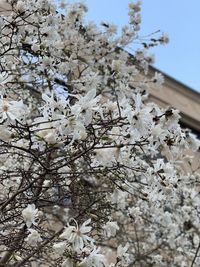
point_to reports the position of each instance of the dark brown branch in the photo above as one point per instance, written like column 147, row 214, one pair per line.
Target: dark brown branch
column 195, row 256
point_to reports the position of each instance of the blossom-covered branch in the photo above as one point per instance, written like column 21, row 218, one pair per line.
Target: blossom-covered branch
column 90, row 171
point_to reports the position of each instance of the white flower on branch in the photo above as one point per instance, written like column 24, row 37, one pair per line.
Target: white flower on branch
column 33, row 238
column 79, row 139
column 111, row 229
column 158, row 79
column 86, row 106
column 60, row 247
column 11, row 110
column 123, row 255
column 95, row 259
column 30, row 214
column 77, row 236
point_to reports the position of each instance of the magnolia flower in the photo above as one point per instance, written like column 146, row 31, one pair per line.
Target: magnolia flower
column 96, row 149
column 77, row 235
column 137, row 19
column 94, row 260
column 35, row 47
column 112, row 29
column 158, row 259
column 53, row 101
column 135, row 6
column 60, row 247
column 29, row 215
column 21, row 6
column 164, row 39
column 135, row 211
column 111, row 228
column 121, row 251
column 79, row 131
column 33, row 238
column 4, row 78
column 85, row 106
column 12, row 110
column 122, row 254
column 158, row 79
column 119, row 197
column 49, row 135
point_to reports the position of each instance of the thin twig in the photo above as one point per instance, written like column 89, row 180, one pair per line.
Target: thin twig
column 195, row 256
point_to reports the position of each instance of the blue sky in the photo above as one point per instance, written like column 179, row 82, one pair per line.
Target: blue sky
column 180, row 19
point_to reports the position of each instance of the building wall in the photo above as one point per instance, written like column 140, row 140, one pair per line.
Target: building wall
column 179, row 96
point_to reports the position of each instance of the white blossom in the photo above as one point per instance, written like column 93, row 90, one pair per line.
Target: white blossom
column 80, row 139
column 60, row 247
column 10, row 109
column 158, row 79
column 33, row 238
column 77, row 236
column 123, row 255
column 95, row 259
column 111, row 229
column 30, row 215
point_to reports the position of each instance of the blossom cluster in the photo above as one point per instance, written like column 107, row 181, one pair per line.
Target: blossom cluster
column 91, row 171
